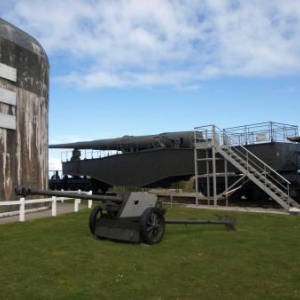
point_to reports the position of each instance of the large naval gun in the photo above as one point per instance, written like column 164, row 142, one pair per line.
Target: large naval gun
column 162, row 159
column 137, row 161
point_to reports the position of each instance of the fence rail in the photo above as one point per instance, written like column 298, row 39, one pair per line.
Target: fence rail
column 53, row 200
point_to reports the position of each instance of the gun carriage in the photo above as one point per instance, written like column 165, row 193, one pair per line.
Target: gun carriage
column 131, row 216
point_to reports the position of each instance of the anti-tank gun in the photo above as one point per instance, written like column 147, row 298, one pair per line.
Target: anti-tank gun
column 129, row 216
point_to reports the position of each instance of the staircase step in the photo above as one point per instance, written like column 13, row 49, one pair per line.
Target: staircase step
column 258, row 177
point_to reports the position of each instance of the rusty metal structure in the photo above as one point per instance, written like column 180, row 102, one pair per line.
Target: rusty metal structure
column 24, row 85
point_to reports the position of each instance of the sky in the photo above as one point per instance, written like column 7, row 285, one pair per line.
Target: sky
column 132, row 67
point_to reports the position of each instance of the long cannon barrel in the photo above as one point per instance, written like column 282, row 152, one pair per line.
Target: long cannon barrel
column 181, row 139
column 26, row 191
column 294, row 139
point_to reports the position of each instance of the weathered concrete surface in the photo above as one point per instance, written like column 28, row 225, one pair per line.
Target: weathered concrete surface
column 23, row 151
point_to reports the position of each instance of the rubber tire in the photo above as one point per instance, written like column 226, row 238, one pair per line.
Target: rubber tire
column 154, row 235
column 97, row 210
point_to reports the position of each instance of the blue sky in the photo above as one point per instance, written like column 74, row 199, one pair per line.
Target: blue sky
column 144, row 67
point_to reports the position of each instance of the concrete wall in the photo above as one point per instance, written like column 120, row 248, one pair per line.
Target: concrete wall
column 24, row 89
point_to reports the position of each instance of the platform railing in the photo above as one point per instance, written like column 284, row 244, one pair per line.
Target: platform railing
column 88, row 154
column 232, row 142
column 262, row 133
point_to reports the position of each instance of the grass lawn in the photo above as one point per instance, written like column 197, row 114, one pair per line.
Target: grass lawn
column 58, row 258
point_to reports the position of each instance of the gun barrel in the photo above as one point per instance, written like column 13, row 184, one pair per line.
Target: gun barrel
column 181, row 139
column 25, row 191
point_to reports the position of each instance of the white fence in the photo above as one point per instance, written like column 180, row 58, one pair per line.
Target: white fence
column 23, row 202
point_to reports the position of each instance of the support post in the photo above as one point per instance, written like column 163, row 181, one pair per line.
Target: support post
column 90, row 202
column 76, row 205
column 79, row 192
column 22, row 210
column 207, row 177
column 63, row 199
column 54, row 206
column 214, row 142
column 226, row 179
column 196, row 169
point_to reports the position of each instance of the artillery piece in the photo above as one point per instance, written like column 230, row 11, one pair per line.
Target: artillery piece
column 129, row 216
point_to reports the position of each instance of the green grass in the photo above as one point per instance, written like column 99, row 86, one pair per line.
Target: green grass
column 57, row 258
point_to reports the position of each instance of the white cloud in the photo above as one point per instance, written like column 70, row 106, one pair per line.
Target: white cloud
column 160, row 42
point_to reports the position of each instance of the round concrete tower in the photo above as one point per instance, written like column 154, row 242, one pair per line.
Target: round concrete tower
column 24, row 90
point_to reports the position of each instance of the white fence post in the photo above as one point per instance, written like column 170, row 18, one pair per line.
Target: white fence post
column 63, row 199
column 79, row 192
column 76, row 205
column 90, row 202
column 22, row 210
column 54, row 206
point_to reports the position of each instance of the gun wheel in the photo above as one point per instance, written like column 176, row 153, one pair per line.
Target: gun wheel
column 95, row 216
column 152, row 226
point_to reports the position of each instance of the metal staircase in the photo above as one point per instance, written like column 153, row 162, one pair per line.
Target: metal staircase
column 266, row 178
column 272, row 183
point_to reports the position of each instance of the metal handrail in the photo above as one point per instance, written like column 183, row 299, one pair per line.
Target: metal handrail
column 255, row 162
column 263, row 132
column 218, row 137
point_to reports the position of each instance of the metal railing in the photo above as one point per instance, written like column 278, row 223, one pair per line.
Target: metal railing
column 88, row 154
column 262, row 133
column 232, row 143
column 268, row 173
